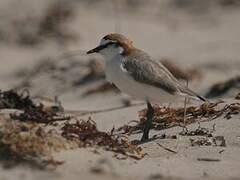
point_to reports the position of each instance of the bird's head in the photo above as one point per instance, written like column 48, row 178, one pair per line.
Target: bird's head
column 112, row 45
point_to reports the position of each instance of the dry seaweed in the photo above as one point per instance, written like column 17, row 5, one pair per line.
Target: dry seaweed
column 26, row 141
column 201, row 141
column 31, row 111
column 87, row 135
column 39, row 114
column 166, row 117
column 237, row 96
column 29, row 142
column 12, row 100
column 219, row 141
column 208, row 141
column 232, row 109
column 200, row 131
column 223, row 87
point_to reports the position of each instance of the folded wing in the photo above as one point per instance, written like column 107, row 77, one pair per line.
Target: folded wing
column 145, row 70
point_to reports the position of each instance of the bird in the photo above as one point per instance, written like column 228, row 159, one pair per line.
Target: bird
column 137, row 74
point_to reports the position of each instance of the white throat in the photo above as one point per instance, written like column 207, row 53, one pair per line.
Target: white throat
column 111, row 52
column 113, row 66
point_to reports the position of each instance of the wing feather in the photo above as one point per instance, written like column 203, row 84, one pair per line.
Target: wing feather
column 144, row 69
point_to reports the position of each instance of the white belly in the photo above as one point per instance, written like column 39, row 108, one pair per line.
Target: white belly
column 139, row 91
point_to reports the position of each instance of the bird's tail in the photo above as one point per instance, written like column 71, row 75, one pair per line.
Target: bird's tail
column 188, row 92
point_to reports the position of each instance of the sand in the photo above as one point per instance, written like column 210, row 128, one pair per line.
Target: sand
column 207, row 41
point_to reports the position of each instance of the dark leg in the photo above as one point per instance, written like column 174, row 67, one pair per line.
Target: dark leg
column 148, row 123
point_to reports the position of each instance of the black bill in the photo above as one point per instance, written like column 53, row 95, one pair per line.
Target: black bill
column 96, row 49
column 99, row 48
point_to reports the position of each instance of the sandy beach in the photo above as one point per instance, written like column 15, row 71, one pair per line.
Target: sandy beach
column 199, row 38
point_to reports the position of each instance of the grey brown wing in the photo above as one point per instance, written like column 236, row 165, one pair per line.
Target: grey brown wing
column 145, row 70
column 150, row 72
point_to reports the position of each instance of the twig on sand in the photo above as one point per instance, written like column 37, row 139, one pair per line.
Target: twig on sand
column 209, row 159
column 168, row 149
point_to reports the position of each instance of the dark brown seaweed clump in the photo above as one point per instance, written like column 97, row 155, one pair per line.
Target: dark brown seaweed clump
column 223, row 87
column 166, row 117
column 39, row 114
column 87, row 135
column 12, row 100
column 238, row 96
column 31, row 112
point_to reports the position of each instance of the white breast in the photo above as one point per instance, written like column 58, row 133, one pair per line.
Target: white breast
column 116, row 74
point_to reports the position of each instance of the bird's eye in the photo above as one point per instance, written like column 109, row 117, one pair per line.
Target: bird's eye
column 112, row 43
column 116, row 44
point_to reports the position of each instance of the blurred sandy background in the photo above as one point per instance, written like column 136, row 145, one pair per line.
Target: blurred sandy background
column 190, row 33
column 194, row 34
